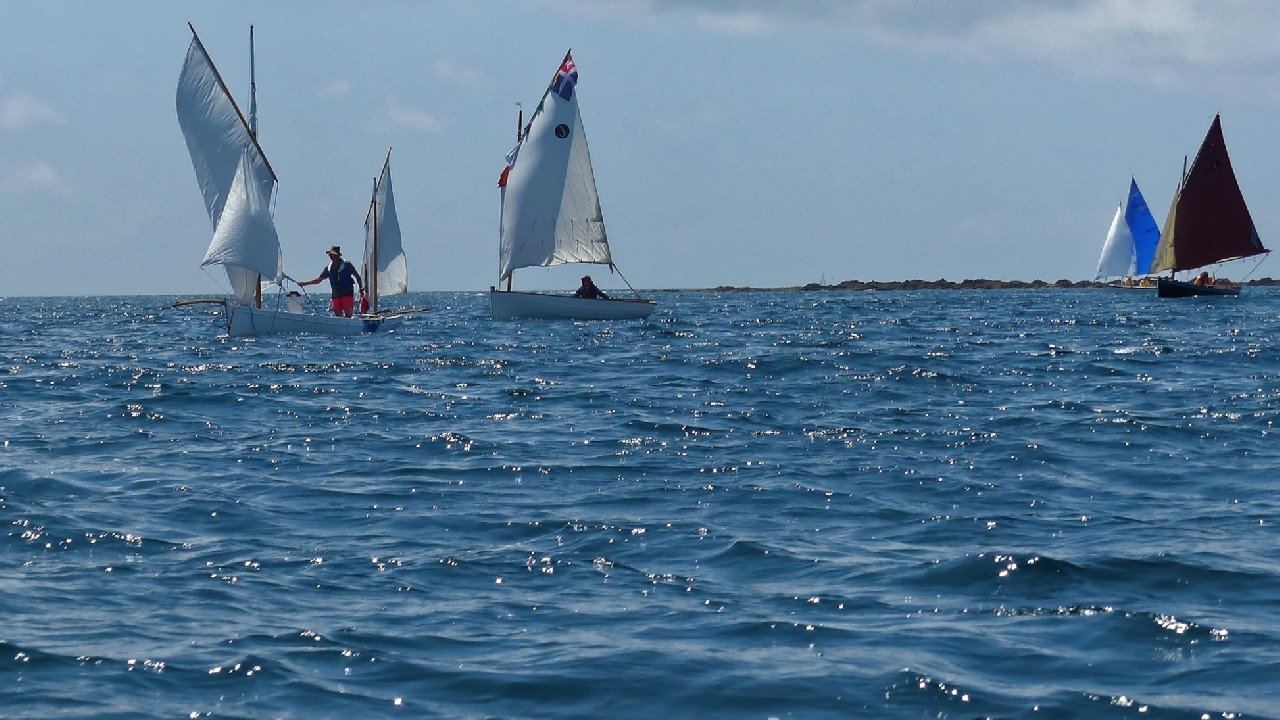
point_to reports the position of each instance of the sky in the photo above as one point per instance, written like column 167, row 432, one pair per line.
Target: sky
column 735, row 142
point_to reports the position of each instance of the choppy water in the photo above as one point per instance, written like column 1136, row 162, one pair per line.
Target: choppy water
column 1012, row 504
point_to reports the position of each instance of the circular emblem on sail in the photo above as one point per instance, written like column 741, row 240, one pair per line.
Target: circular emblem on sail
column 562, row 131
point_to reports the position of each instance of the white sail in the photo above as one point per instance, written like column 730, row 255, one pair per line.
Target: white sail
column 245, row 240
column 1118, row 258
column 386, row 269
column 232, row 172
column 550, row 209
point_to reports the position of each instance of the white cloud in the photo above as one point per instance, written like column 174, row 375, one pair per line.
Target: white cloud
column 413, row 118
column 22, row 112
column 447, row 70
column 338, row 87
column 1151, row 40
column 34, row 176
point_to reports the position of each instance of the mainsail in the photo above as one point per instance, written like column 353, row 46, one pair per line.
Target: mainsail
column 385, row 268
column 234, row 176
column 1131, row 242
column 550, row 209
column 1208, row 222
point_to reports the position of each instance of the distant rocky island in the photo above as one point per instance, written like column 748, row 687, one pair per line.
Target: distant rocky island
column 961, row 285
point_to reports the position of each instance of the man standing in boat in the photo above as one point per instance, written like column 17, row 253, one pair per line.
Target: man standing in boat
column 589, row 290
column 342, row 277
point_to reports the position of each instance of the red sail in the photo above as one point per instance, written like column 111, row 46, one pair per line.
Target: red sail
column 1211, row 223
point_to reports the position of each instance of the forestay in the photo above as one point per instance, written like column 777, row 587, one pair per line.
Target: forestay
column 234, row 176
column 550, row 209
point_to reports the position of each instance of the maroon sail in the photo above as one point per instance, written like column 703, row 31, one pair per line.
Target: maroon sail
column 1209, row 222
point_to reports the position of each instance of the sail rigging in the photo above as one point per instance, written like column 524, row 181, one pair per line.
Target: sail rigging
column 550, row 208
column 234, row 176
column 385, row 267
column 1208, row 222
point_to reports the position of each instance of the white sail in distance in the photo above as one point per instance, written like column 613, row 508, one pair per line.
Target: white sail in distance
column 1118, row 256
column 550, row 209
column 386, row 269
column 233, row 175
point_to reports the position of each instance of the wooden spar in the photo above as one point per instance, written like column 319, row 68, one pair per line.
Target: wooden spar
column 371, row 277
column 253, row 90
column 223, row 84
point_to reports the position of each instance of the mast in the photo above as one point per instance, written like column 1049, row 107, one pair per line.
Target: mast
column 519, row 139
column 253, row 130
column 371, row 278
column 253, row 90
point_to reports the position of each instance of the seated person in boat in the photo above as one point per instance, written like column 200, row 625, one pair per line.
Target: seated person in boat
column 1204, row 279
column 342, row 277
column 589, row 290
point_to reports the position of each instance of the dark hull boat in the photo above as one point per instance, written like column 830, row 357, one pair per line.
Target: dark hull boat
column 1172, row 288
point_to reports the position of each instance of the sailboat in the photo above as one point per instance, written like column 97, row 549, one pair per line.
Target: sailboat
column 385, row 267
column 1131, row 243
column 238, row 184
column 551, row 211
column 1207, row 224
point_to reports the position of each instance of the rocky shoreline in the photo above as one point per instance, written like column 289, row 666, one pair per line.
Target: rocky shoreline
column 944, row 284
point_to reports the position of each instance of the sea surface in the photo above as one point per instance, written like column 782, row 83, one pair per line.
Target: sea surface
column 934, row 504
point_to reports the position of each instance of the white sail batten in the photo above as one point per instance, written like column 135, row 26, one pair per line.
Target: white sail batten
column 1118, row 256
column 233, row 174
column 550, row 209
column 383, row 248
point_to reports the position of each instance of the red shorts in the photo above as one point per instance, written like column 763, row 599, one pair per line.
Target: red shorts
column 342, row 306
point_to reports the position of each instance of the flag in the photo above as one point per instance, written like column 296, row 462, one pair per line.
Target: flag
column 566, row 78
column 511, row 160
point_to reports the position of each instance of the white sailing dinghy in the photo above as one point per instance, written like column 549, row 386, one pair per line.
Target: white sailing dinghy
column 386, row 271
column 1130, row 244
column 238, row 184
column 551, row 212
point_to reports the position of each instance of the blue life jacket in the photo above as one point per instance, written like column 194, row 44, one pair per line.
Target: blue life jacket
column 342, row 281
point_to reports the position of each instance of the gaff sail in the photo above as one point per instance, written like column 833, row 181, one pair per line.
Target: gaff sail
column 234, row 176
column 1208, row 222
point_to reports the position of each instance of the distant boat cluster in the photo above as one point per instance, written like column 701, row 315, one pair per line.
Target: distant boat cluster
column 1208, row 224
column 550, row 214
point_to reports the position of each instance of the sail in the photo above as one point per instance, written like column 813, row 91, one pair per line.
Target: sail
column 1209, row 222
column 1143, row 228
column 1132, row 240
column 245, row 240
column 231, row 170
column 550, row 209
column 1117, row 259
column 386, row 270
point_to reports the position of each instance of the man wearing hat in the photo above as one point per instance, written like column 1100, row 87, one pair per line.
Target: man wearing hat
column 589, row 290
column 342, row 278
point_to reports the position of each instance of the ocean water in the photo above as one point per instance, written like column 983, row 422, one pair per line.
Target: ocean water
column 937, row 504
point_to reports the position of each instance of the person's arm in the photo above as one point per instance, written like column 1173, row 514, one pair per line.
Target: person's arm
column 324, row 274
column 359, row 280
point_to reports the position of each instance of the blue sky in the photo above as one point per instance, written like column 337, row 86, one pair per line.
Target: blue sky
column 735, row 142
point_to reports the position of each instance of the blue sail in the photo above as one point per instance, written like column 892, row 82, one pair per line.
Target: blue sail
column 1146, row 235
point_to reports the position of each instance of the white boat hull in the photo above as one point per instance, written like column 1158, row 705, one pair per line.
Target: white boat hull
column 510, row 305
column 248, row 320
